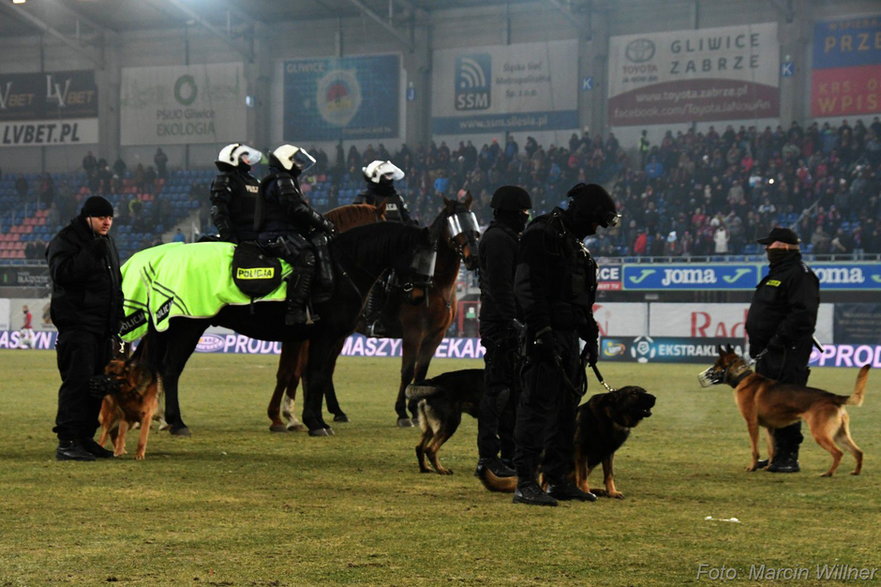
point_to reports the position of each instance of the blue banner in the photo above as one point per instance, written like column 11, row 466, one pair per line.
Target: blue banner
column 527, row 121
column 847, row 43
column 346, row 98
column 647, row 349
column 742, row 276
column 690, row 276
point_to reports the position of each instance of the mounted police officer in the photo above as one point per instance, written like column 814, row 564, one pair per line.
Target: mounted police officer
column 289, row 228
column 780, row 325
column 234, row 193
column 380, row 189
column 555, row 286
column 380, row 177
column 499, row 329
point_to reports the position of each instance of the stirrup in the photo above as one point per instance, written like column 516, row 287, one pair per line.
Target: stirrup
column 310, row 317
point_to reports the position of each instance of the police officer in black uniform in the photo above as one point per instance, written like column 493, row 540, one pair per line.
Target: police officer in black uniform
column 380, row 177
column 780, row 325
column 289, row 228
column 234, row 193
column 499, row 329
column 555, row 286
column 87, row 309
column 380, row 189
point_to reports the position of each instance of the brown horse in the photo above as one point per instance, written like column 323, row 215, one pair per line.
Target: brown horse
column 421, row 325
column 292, row 361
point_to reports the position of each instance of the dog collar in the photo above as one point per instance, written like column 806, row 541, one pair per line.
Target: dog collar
column 738, row 373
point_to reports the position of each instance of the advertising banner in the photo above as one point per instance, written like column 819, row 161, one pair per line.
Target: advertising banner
column 846, row 74
column 858, row 323
column 647, row 349
column 690, row 276
column 522, row 87
column 50, row 108
column 174, row 105
column 847, row 355
column 342, row 98
column 725, row 73
column 609, row 278
column 621, row 319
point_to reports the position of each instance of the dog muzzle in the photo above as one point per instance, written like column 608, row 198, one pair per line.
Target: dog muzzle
column 101, row 385
column 708, row 377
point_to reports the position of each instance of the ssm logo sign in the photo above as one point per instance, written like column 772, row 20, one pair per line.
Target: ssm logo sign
column 473, row 81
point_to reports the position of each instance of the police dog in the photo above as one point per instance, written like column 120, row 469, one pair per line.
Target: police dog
column 440, row 402
column 603, row 423
column 132, row 401
column 768, row 403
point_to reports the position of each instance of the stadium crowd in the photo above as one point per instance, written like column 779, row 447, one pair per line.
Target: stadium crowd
column 693, row 194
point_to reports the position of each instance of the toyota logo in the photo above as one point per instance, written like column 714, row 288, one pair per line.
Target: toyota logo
column 640, row 50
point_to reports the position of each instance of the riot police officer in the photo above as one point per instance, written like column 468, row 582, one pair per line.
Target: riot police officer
column 234, row 193
column 289, row 228
column 780, row 325
column 380, row 177
column 555, row 286
column 499, row 329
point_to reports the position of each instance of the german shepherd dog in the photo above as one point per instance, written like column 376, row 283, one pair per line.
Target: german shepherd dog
column 439, row 402
column 602, row 424
column 133, row 400
column 768, row 403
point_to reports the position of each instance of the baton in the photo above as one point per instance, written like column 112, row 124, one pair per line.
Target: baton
column 817, row 343
column 599, row 375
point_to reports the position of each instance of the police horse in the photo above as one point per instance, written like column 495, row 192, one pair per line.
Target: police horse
column 360, row 256
column 420, row 317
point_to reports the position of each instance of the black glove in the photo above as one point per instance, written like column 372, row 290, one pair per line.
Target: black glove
column 590, row 334
column 328, row 228
column 99, row 247
column 544, row 346
column 592, row 351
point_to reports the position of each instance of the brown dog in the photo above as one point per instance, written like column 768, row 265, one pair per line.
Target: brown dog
column 134, row 401
column 768, row 403
column 603, row 423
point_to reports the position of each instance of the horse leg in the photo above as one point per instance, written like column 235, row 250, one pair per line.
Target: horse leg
column 179, row 346
column 333, row 406
column 317, row 379
column 408, row 360
column 283, row 376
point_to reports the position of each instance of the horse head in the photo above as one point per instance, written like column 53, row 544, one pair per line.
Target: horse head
column 462, row 231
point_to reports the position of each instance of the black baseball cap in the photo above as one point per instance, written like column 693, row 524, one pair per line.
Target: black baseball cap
column 778, row 233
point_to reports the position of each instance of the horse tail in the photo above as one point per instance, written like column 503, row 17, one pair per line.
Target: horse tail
column 418, row 391
column 494, row 483
column 860, row 387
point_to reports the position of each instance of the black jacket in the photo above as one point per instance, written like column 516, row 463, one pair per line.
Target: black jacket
column 86, row 282
column 555, row 282
column 784, row 306
column 283, row 211
column 395, row 207
column 497, row 253
column 234, row 201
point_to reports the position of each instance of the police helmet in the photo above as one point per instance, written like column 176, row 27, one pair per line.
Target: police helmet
column 291, row 158
column 382, row 172
column 237, row 153
column 592, row 203
column 510, row 197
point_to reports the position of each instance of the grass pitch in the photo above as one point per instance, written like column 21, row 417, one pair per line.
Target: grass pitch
column 238, row 505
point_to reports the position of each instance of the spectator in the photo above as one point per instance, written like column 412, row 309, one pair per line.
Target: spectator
column 21, row 186
column 179, row 237
column 160, row 160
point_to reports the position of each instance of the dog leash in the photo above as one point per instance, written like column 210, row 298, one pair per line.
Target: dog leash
column 596, row 371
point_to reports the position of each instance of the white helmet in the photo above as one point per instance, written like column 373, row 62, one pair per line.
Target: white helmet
column 237, row 153
column 382, row 170
column 290, row 157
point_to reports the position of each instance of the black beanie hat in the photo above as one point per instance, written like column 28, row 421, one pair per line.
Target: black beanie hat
column 96, row 206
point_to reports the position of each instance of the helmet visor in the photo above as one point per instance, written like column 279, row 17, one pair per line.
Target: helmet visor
column 249, row 155
column 302, row 160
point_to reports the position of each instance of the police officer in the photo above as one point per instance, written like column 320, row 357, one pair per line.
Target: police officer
column 499, row 329
column 555, row 285
column 380, row 189
column 780, row 325
column 289, row 228
column 380, row 177
column 86, row 308
column 234, row 193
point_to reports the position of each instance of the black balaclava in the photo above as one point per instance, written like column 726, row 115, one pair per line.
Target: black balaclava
column 776, row 256
column 513, row 219
column 385, row 188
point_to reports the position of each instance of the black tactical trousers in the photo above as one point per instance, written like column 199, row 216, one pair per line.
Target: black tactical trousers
column 495, row 426
column 787, row 366
column 546, row 412
column 80, row 355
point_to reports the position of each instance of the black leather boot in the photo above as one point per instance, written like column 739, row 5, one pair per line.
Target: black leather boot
column 566, row 490
column 72, row 450
column 299, row 288
column 531, row 494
